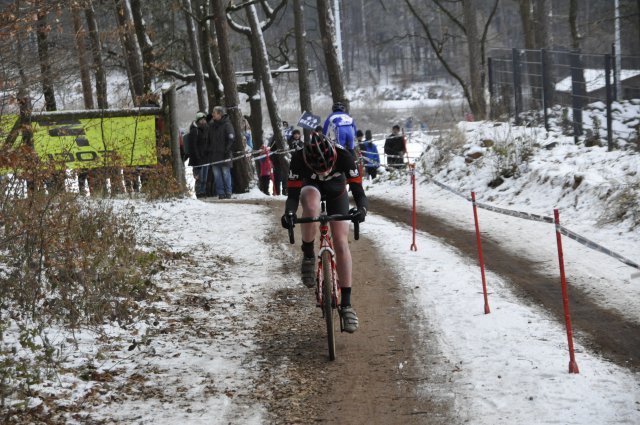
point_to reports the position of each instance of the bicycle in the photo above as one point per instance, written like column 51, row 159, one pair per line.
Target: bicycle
column 327, row 288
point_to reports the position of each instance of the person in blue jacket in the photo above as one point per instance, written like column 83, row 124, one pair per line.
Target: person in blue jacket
column 340, row 127
column 370, row 152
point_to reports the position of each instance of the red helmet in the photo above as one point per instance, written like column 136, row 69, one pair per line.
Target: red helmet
column 319, row 153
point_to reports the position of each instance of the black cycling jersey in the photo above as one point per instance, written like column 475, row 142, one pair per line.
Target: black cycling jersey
column 332, row 187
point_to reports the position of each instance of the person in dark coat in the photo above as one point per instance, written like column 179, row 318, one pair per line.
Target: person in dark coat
column 221, row 137
column 197, row 141
column 394, row 148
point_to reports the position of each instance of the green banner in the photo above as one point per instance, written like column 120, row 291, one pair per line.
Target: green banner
column 120, row 141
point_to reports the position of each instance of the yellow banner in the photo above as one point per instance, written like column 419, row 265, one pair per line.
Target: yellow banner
column 90, row 142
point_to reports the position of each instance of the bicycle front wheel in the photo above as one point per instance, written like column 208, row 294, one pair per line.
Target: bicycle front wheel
column 330, row 313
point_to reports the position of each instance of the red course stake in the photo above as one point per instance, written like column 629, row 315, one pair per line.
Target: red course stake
column 573, row 366
column 484, row 281
column 412, row 171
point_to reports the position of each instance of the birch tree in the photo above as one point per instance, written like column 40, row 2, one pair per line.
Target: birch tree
column 148, row 57
column 131, row 50
column 260, row 61
column 328, row 34
column 301, row 57
column 196, row 61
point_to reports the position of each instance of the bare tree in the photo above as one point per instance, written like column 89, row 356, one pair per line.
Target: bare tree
column 131, row 49
column 259, row 60
column 573, row 17
column 83, row 58
column 196, row 61
column 301, row 57
column 209, row 50
column 96, row 50
column 241, row 174
column 528, row 28
column 45, row 60
column 474, row 87
column 148, row 57
column 328, row 34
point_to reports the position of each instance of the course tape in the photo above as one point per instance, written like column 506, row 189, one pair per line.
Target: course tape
column 254, row 155
column 590, row 244
column 545, row 219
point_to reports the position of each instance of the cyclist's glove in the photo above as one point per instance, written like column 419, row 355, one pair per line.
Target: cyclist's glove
column 358, row 213
column 288, row 219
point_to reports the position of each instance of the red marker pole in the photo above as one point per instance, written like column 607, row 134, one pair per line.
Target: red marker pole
column 573, row 366
column 412, row 171
column 479, row 241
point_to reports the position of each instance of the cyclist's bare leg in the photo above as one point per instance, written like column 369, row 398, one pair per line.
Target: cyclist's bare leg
column 310, row 201
column 340, row 236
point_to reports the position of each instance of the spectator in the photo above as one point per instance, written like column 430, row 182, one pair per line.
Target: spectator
column 246, row 129
column 221, row 137
column 265, row 170
column 340, row 128
column 287, row 130
column 198, row 152
column 370, row 153
column 394, row 148
column 295, row 141
column 279, row 182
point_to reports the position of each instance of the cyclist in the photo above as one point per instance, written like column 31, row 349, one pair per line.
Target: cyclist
column 341, row 127
column 322, row 169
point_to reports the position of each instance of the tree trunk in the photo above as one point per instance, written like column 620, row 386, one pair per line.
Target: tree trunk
column 328, row 34
column 131, row 49
column 528, row 28
column 196, row 61
column 301, row 56
column 267, row 83
column 148, row 58
column 476, row 69
column 573, row 17
column 215, row 90
column 83, row 59
column 241, row 168
column 96, row 50
column 45, row 61
column 255, row 101
column 542, row 17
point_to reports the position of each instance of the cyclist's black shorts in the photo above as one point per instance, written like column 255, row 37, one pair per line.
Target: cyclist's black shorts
column 337, row 201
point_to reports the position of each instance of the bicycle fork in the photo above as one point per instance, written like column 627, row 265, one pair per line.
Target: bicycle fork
column 335, row 292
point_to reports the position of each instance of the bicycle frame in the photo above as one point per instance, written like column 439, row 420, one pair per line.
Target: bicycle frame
column 326, row 246
column 328, row 299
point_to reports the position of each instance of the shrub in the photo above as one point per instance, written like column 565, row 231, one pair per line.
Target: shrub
column 65, row 260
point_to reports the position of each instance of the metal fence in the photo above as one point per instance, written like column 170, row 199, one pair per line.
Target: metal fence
column 528, row 84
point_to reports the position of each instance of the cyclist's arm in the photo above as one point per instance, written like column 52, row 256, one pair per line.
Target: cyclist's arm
column 294, row 183
column 353, row 178
column 358, row 194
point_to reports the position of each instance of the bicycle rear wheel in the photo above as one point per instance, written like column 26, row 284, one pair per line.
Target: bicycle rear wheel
column 330, row 313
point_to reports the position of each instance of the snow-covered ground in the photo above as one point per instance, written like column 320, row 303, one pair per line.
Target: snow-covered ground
column 511, row 365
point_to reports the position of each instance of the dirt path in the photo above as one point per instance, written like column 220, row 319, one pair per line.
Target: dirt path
column 379, row 376
column 604, row 331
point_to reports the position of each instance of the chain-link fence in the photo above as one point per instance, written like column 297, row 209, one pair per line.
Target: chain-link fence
column 529, row 85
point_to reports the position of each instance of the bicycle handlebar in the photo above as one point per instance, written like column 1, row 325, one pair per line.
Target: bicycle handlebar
column 324, row 219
